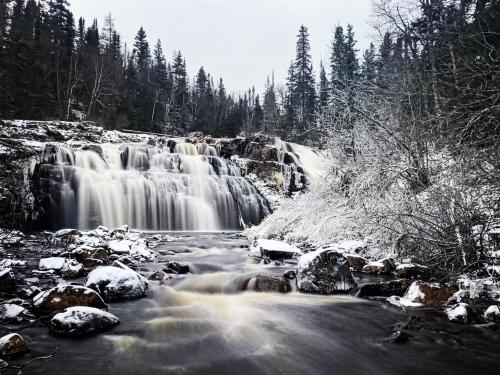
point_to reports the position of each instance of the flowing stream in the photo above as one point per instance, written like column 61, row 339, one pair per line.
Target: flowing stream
column 204, row 324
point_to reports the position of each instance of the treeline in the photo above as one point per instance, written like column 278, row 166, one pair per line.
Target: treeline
column 55, row 67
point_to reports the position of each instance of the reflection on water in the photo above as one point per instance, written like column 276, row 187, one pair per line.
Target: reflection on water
column 204, row 324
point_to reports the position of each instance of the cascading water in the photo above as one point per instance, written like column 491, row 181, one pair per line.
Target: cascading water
column 177, row 187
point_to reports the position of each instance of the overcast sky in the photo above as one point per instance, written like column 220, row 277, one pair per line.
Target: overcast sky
column 241, row 41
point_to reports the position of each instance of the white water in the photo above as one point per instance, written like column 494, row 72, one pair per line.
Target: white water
column 153, row 188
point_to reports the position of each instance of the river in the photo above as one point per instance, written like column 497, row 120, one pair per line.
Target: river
column 201, row 324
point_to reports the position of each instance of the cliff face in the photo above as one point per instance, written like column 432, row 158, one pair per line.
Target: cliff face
column 29, row 181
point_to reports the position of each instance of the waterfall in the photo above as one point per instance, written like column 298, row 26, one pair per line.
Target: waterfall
column 181, row 186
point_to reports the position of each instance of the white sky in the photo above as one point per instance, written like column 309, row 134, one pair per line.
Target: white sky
column 241, row 41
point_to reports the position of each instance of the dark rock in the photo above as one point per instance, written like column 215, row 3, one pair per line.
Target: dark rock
column 90, row 263
column 290, row 275
column 29, row 292
column 356, row 262
column 158, row 276
column 13, row 344
column 7, row 281
column 82, row 321
column 269, row 284
column 412, row 271
column 324, row 272
column 400, row 337
column 177, row 268
column 492, row 314
column 383, row 289
column 62, row 297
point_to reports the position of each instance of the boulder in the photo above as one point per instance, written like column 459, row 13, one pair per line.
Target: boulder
column 459, row 313
column 29, row 292
column 82, row 321
column 158, row 276
column 383, row 289
column 274, row 250
column 85, row 252
column 115, row 283
column 62, row 297
column 7, row 281
column 177, row 268
column 381, row 267
column 412, row 271
column 13, row 344
column 269, row 284
column 324, row 272
column 430, row 294
column 492, row 314
column 356, row 262
column 120, row 246
column 69, row 268
column 90, row 263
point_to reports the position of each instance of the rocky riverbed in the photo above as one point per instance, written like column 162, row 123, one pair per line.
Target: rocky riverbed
column 120, row 301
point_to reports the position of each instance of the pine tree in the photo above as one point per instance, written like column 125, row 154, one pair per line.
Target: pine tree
column 181, row 93
column 304, row 90
column 258, row 114
column 290, row 104
column 369, row 69
column 270, row 108
column 324, row 87
column 141, row 52
column 338, row 60
column 352, row 64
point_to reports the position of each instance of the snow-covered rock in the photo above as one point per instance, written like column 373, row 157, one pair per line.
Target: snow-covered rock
column 82, row 321
column 273, row 249
column 410, row 271
column 69, row 268
column 64, row 296
column 29, row 292
column 401, row 302
column 459, row 313
column 12, row 263
column 115, row 283
column 63, row 233
column 12, row 313
column 429, row 294
column 12, row 344
column 120, row 246
column 492, row 314
column 325, row 272
column 381, row 267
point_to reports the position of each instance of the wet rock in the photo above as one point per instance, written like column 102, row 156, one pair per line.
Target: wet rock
column 7, row 281
column 430, row 294
column 381, row 267
column 324, row 272
column 86, row 252
column 127, row 260
column 64, row 233
column 290, row 275
column 72, row 269
column 115, row 283
column 177, row 268
column 62, row 297
column 356, row 262
column 273, row 250
column 383, row 289
column 82, row 321
column 412, row 271
column 492, row 314
column 68, row 268
column 399, row 337
column 120, row 232
column 269, row 284
column 13, row 344
column 3, row 365
column 459, row 313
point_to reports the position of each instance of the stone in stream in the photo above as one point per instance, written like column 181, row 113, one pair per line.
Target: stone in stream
column 177, row 268
column 14, row 314
column 381, row 267
column 7, row 281
column 429, row 294
column 82, row 321
column 64, row 296
column 12, row 344
column 492, row 314
column 29, row 292
column 273, row 250
column 383, row 289
column 324, row 272
column 357, row 262
column 115, row 283
column 68, row 268
column 459, row 313
column 159, row 276
column 86, row 252
column 269, row 284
